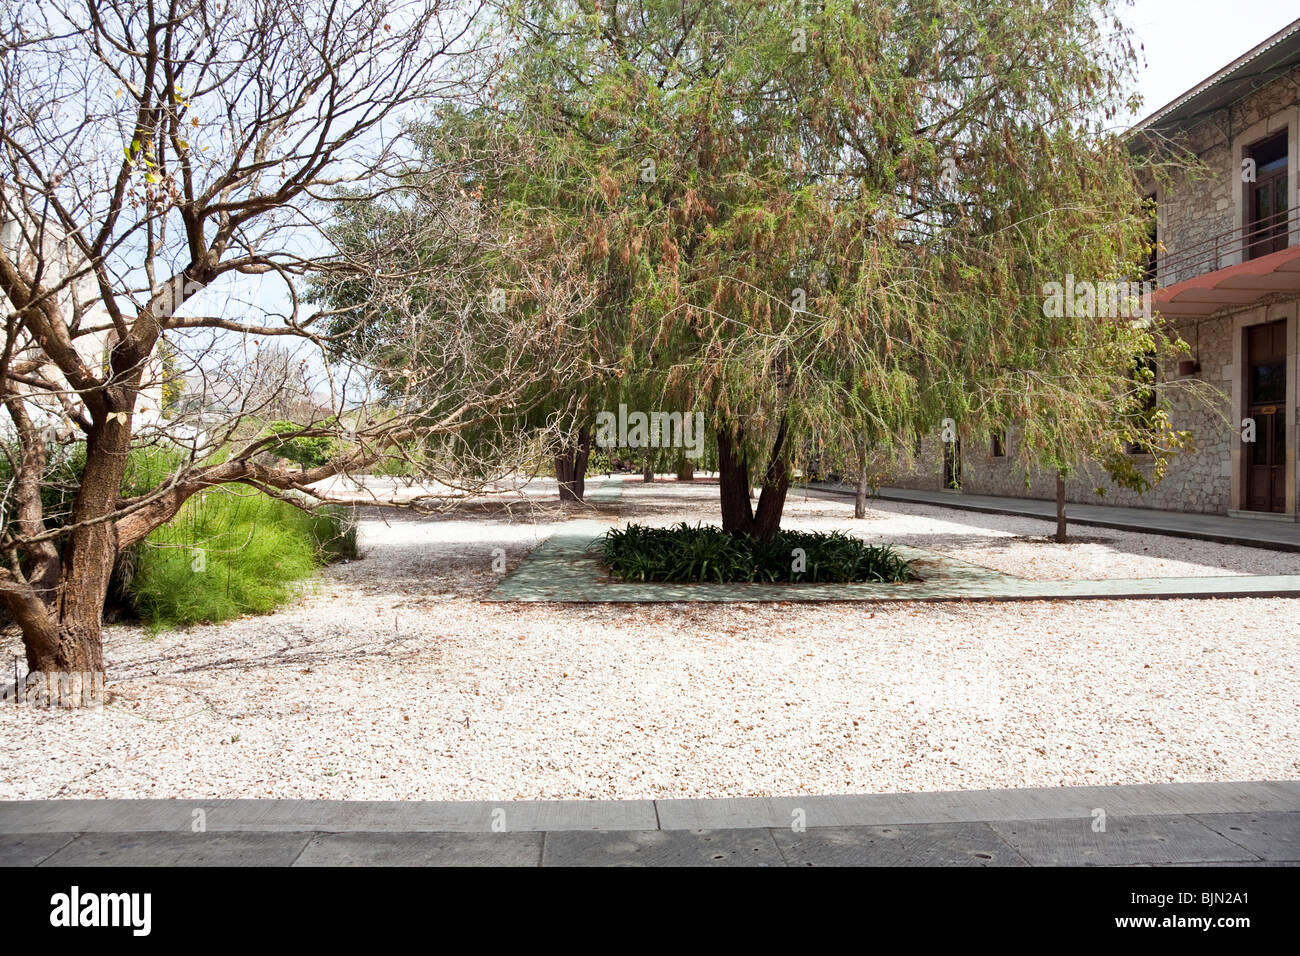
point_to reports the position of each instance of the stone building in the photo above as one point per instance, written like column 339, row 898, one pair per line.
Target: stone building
column 1227, row 277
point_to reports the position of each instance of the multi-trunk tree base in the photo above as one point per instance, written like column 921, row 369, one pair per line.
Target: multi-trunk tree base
column 738, row 514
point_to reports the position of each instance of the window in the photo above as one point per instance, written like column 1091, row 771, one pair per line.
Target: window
column 1266, row 198
column 998, row 444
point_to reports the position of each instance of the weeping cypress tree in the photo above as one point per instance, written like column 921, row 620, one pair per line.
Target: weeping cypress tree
column 456, row 234
column 840, row 220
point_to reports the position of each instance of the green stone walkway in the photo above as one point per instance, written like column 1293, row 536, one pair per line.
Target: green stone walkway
column 566, row 569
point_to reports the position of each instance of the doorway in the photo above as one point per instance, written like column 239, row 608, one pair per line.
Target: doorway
column 1266, row 404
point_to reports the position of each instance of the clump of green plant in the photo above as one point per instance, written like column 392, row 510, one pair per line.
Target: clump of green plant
column 230, row 551
column 708, row 554
column 147, row 467
column 233, row 551
column 58, row 486
column 334, row 529
column 307, row 451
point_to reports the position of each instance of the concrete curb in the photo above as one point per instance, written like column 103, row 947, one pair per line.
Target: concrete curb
column 896, row 809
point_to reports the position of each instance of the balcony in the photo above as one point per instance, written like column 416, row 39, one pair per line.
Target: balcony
column 1211, row 276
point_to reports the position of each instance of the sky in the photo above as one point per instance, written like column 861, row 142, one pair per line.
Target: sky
column 1187, row 41
column 1183, row 42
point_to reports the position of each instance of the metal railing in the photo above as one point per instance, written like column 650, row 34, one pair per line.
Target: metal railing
column 1227, row 248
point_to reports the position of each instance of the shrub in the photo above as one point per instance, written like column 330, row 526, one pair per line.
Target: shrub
column 396, row 466
column 58, row 485
column 309, row 452
column 709, row 554
column 233, row 551
column 334, row 529
column 147, row 467
column 255, row 549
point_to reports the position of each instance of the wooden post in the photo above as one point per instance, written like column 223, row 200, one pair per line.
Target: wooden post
column 1060, row 508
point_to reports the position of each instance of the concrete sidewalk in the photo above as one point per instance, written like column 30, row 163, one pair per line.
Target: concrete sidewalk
column 1240, row 824
column 1252, row 532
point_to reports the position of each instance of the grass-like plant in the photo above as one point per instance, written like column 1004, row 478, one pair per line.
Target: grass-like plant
column 231, row 552
column 708, row 554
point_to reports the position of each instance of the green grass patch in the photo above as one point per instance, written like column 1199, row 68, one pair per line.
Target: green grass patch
column 704, row 553
column 230, row 551
column 233, row 551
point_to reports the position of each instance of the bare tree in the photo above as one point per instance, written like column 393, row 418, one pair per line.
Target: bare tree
column 157, row 158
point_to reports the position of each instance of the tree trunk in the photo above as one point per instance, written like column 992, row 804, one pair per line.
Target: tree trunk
column 62, row 624
column 648, row 470
column 776, row 483
column 685, row 469
column 733, row 481
column 571, row 466
column 860, row 493
column 733, row 484
column 1060, row 508
column 89, row 553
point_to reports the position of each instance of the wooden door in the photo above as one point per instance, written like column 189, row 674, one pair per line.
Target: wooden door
column 1266, row 403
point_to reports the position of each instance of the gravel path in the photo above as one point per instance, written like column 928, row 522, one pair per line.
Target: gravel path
column 391, row 679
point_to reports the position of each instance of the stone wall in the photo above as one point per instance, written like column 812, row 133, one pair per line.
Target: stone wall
column 1199, row 481
column 1200, row 205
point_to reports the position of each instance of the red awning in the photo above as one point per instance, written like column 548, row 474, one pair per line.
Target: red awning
column 1235, row 287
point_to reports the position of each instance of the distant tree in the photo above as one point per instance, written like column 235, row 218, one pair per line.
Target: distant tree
column 1119, row 421
column 309, row 451
column 173, row 382
column 451, row 237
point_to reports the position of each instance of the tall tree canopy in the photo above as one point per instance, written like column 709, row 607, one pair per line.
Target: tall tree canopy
column 838, row 219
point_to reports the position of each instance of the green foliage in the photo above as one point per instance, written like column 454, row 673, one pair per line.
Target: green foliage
column 256, row 550
column 150, row 466
column 233, row 551
column 334, row 530
column 843, row 239
column 63, row 478
column 146, row 469
column 309, row 451
column 847, row 236
column 395, row 466
column 708, row 554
